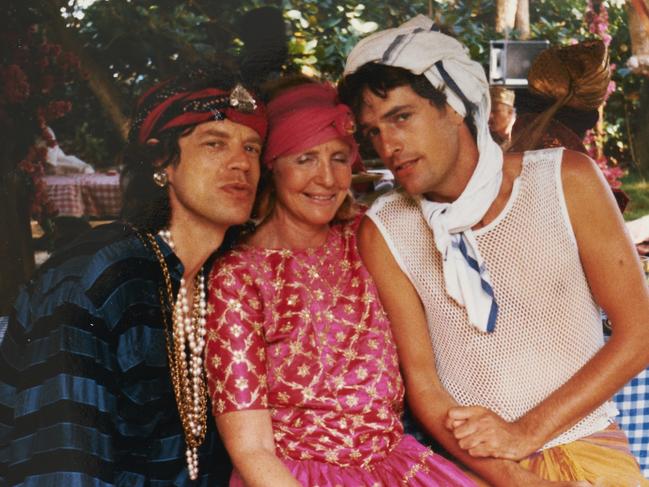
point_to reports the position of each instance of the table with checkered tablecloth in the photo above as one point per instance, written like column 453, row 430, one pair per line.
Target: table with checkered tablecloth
column 93, row 195
column 633, row 404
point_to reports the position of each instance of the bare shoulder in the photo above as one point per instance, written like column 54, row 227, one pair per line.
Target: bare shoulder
column 367, row 228
column 580, row 172
column 370, row 241
column 589, row 199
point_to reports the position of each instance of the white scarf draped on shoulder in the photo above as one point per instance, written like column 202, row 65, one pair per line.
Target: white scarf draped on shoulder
column 446, row 64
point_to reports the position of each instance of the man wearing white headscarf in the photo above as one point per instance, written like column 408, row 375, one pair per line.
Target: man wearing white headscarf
column 492, row 269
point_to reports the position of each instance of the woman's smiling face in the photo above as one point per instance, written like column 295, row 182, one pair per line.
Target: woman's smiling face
column 311, row 186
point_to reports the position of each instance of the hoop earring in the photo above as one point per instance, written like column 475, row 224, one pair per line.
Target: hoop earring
column 160, row 178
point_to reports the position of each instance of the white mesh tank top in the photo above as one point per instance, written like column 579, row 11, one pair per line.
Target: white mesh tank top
column 548, row 324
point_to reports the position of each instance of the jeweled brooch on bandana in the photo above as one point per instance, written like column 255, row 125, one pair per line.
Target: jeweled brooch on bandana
column 242, row 100
column 344, row 123
column 349, row 127
column 194, row 107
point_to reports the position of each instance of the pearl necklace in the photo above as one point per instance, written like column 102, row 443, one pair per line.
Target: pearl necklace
column 187, row 363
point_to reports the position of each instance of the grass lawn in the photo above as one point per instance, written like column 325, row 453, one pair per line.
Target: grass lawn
column 638, row 190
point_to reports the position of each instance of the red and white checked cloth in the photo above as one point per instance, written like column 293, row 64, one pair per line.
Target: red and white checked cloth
column 95, row 195
column 65, row 193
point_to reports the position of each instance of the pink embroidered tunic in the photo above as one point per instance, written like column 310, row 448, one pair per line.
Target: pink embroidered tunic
column 302, row 333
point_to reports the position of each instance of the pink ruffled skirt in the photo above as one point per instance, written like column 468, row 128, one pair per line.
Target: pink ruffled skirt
column 409, row 463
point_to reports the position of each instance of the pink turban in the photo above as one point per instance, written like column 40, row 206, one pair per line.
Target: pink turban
column 306, row 116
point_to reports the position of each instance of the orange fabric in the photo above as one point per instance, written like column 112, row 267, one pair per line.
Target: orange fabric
column 604, row 459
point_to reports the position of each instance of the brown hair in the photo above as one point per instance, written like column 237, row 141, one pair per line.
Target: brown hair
column 144, row 204
column 381, row 79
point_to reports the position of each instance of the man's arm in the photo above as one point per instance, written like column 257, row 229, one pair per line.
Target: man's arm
column 617, row 282
column 427, row 398
column 56, row 429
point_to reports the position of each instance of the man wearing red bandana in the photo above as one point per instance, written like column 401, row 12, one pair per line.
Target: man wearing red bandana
column 101, row 373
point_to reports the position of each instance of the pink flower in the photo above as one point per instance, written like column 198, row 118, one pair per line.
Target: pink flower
column 15, row 83
column 69, row 62
column 47, row 83
column 611, row 88
column 56, row 109
column 606, row 37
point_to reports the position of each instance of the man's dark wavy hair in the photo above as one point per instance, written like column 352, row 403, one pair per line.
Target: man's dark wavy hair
column 380, row 79
column 144, row 204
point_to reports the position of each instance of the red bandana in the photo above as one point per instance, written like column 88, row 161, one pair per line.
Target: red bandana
column 192, row 108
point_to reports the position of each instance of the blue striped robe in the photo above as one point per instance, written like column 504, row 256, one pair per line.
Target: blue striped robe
column 85, row 393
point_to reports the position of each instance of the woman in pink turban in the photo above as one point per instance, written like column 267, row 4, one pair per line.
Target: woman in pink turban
column 302, row 368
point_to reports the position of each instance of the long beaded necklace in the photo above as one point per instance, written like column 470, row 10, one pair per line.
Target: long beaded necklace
column 187, row 364
column 186, row 333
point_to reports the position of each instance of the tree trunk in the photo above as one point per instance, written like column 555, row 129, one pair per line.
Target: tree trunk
column 505, row 16
column 16, row 250
column 99, row 79
column 640, row 138
column 523, row 19
column 638, row 12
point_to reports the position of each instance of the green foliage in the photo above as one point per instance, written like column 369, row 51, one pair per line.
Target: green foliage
column 143, row 41
column 563, row 23
column 323, row 32
column 472, row 22
column 88, row 146
column 637, row 189
column 558, row 21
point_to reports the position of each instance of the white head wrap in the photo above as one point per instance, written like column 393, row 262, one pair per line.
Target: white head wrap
column 445, row 63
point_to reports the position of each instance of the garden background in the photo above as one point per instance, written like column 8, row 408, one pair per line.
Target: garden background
column 77, row 66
